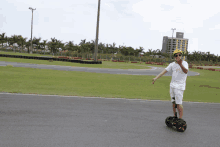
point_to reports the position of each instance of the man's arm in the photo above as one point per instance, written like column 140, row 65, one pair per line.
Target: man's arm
column 161, row 74
column 184, row 69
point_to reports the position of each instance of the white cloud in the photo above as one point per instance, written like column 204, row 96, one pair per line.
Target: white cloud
column 181, row 16
column 194, row 46
column 217, row 27
column 132, row 22
column 107, row 4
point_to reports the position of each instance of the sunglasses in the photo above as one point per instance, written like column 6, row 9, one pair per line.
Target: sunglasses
column 177, row 55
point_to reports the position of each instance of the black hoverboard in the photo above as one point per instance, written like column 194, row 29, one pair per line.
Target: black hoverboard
column 174, row 121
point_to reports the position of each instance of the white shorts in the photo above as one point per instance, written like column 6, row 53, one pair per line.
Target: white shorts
column 178, row 94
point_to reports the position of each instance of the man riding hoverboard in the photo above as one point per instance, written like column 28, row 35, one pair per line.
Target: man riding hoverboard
column 179, row 70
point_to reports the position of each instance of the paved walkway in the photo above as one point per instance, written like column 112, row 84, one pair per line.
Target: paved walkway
column 208, row 66
column 153, row 71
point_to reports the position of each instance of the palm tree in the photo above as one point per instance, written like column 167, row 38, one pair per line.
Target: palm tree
column 82, row 42
column 135, row 52
column 154, row 52
column 57, row 45
column 110, row 50
column 22, row 42
column 92, row 46
column 27, row 45
column 158, row 52
column 18, row 42
column 69, row 46
column 82, row 46
column 123, row 50
column 38, row 43
column 130, row 50
column 49, row 44
column 10, row 41
column 2, row 38
column 139, row 51
column 114, row 49
column 186, row 54
column 195, row 56
column 101, row 47
column 7, row 40
column 200, row 56
column 119, row 49
column 211, row 58
column 14, row 40
column 149, row 52
column 60, row 45
column 44, row 45
column 215, row 59
column 53, row 45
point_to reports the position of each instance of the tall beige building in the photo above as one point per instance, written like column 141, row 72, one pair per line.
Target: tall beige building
column 178, row 43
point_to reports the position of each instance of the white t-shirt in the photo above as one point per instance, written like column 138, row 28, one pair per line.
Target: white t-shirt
column 178, row 76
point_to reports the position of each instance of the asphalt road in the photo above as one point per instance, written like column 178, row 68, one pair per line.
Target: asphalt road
column 153, row 71
column 56, row 121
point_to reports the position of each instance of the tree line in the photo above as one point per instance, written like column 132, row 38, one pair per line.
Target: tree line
column 54, row 45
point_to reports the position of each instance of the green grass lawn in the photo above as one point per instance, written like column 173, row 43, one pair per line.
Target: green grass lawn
column 43, row 81
column 23, row 54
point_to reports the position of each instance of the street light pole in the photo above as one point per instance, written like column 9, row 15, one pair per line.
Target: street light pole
column 31, row 28
column 172, row 42
column 97, row 33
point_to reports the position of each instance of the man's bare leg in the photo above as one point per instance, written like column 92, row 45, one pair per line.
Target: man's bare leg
column 174, row 109
column 180, row 109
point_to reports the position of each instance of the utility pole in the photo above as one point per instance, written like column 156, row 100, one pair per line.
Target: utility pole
column 97, row 33
column 172, row 43
column 31, row 28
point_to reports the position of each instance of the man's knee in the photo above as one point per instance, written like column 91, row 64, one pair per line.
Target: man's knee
column 180, row 106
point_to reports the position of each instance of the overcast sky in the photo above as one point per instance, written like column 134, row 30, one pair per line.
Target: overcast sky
column 133, row 23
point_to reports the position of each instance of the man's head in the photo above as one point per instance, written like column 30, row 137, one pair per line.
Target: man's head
column 177, row 54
